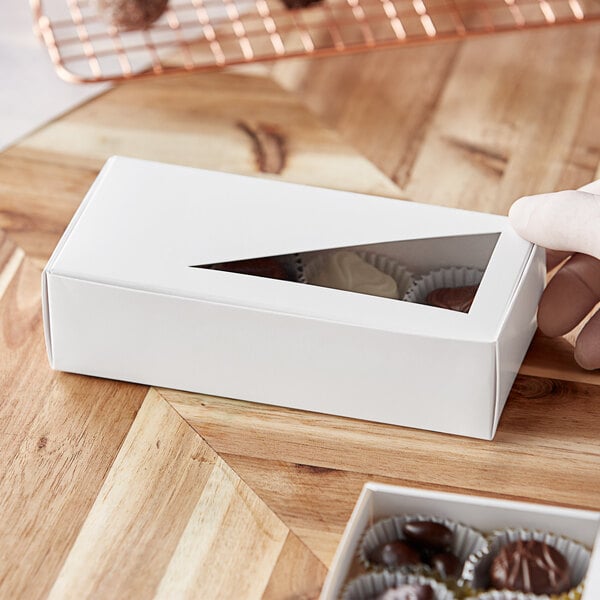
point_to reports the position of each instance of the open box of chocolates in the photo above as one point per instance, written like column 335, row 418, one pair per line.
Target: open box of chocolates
column 458, row 547
column 292, row 295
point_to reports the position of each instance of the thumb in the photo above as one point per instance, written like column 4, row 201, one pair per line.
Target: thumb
column 560, row 221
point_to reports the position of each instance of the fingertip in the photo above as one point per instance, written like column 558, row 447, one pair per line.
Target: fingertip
column 586, row 359
column 587, row 347
column 520, row 213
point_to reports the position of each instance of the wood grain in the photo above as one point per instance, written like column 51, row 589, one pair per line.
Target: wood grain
column 474, row 125
column 58, row 437
column 298, row 574
column 141, row 120
column 171, row 519
column 546, row 449
column 106, row 492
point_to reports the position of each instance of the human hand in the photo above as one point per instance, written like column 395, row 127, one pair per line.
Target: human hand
column 567, row 224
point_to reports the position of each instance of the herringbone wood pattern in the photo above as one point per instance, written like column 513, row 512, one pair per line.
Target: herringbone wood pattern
column 113, row 490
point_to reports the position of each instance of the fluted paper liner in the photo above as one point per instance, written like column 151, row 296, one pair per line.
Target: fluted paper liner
column 385, row 264
column 373, row 584
column 476, row 569
column 294, row 266
column 449, row 277
column 465, row 540
column 506, row 595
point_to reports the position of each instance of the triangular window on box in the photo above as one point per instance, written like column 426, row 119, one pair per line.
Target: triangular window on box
column 443, row 272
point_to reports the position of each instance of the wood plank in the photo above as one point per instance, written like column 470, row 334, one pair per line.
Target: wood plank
column 583, row 161
column 545, row 450
column 39, row 192
column 310, row 468
column 505, row 125
column 388, row 124
column 59, row 434
column 315, row 502
column 141, row 120
column 298, row 574
column 171, row 519
column 475, row 124
column 229, row 528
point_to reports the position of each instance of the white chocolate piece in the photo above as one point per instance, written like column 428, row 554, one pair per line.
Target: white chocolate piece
column 345, row 270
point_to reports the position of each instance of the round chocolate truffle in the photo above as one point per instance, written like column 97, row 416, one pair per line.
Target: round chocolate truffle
column 414, row 591
column 132, row 14
column 428, row 535
column 394, row 554
column 532, row 567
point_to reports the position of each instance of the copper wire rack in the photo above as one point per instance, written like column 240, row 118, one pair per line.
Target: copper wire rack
column 204, row 34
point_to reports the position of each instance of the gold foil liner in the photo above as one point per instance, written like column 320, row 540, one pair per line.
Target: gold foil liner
column 465, row 540
column 449, row 277
column 385, row 264
column 476, row 569
column 370, row 586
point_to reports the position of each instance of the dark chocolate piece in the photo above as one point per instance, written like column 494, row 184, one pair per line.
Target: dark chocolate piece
column 395, row 554
column 532, row 567
column 447, row 564
column 428, row 535
column 459, row 299
column 299, row 3
column 260, row 267
column 407, row 591
column 132, row 14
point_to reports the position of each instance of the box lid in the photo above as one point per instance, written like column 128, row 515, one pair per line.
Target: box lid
column 144, row 225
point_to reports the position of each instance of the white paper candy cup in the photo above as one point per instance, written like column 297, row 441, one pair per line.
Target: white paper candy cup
column 294, row 266
column 504, row 595
column 465, row 540
column 370, row 586
column 385, row 264
column 450, row 277
column 476, row 569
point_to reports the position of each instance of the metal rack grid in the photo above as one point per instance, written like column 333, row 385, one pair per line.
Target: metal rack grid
column 203, row 34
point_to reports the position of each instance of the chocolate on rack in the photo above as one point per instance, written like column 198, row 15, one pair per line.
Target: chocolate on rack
column 408, row 591
column 459, row 299
column 300, row 3
column 132, row 14
column 530, row 566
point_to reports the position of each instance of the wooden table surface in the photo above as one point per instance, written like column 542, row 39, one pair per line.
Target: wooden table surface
column 114, row 490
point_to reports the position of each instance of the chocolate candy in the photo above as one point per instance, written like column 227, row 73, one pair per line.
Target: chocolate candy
column 446, row 564
column 532, row 567
column 428, row 535
column 395, row 554
column 299, row 3
column 459, row 299
column 260, row 267
column 407, row 591
column 132, row 14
